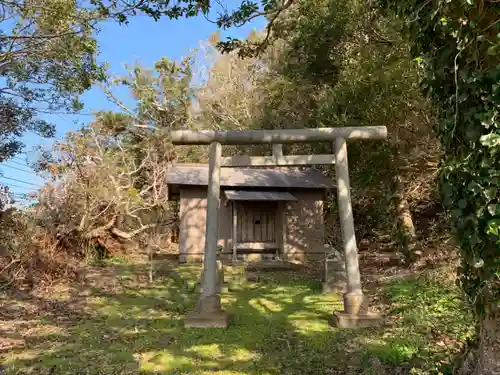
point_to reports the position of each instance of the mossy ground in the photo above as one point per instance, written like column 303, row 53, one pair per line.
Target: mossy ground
column 121, row 323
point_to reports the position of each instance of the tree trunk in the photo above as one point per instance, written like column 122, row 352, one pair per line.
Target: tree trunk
column 488, row 355
column 406, row 229
column 484, row 358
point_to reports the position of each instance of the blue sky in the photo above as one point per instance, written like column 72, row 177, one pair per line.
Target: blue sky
column 143, row 40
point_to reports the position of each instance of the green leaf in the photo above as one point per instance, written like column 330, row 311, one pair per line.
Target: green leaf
column 493, row 228
column 462, row 203
column 132, row 192
column 486, row 163
column 494, row 209
column 475, row 187
column 492, row 50
column 490, row 140
column 491, row 193
column 456, row 213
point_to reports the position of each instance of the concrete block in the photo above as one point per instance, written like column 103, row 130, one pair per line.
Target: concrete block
column 342, row 319
column 334, row 286
column 334, row 277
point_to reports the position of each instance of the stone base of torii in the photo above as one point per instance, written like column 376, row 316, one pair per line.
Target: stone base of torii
column 208, row 312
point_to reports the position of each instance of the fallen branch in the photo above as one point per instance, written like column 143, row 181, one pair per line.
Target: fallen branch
column 130, row 235
column 10, row 264
column 101, row 230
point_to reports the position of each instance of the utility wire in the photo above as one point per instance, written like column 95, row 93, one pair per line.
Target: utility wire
column 23, row 160
column 19, row 169
column 16, row 162
column 18, row 158
column 21, row 181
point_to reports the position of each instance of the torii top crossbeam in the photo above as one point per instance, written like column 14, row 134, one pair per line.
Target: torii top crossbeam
column 282, row 136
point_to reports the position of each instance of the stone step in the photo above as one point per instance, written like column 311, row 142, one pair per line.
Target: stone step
column 264, row 265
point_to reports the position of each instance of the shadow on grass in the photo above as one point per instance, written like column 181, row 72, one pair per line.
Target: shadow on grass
column 279, row 326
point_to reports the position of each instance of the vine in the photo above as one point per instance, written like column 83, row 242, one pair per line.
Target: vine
column 459, row 44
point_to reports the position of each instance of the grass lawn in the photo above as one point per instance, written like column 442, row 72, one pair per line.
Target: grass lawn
column 122, row 324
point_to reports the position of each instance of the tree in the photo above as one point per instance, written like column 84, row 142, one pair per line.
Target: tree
column 109, row 178
column 47, row 59
column 358, row 71
column 459, row 44
column 48, row 53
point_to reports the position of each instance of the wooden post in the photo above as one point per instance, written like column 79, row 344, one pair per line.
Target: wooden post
column 235, row 231
column 282, row 216
column 354, row 295
column 212, row 225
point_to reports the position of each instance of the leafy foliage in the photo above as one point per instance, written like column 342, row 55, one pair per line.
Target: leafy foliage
column 246, row 11
column 47, row 59
column 358, row 71
column 459, row 44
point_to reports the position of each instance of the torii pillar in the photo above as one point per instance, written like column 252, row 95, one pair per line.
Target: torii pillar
column 356, row 313
column 208, row 313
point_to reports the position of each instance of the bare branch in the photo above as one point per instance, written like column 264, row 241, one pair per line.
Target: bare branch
column 130, row 235
column 44, row 37
column 100, row 231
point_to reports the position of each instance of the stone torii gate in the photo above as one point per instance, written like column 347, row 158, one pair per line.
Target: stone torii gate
column 208, row 313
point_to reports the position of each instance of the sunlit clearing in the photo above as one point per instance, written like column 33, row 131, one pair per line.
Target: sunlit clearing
column 162, row 361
